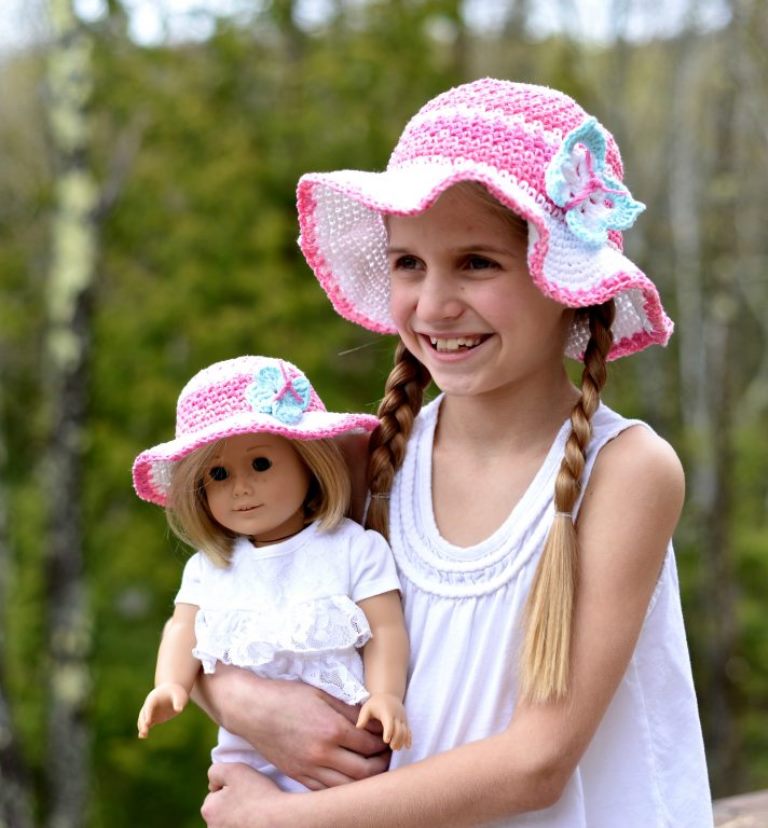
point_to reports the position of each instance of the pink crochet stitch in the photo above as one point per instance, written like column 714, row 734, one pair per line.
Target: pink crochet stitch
column 540, row 154
column 249, row 394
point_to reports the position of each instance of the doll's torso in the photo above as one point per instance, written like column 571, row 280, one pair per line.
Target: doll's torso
column 289, row 611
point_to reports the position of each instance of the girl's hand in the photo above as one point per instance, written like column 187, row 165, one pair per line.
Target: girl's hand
column 305, row 733
column 163, row 703
column 240, row 797
column 389, row 710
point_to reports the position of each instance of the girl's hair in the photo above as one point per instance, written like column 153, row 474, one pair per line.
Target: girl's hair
column 549, row 611
column 189, row 517
column 403, row 397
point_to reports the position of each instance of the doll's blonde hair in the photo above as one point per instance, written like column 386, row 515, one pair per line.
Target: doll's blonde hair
column 188, row 515
column 545, row 659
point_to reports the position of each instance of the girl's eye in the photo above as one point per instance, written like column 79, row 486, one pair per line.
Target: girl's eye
column 480, row 263
column 406, row 262
column 218, row 473
column 261, row 464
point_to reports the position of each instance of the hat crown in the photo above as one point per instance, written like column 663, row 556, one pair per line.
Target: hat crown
column 513, row 128
column 245, row 385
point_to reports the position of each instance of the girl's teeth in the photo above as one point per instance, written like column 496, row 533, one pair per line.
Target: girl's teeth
column 454, row 344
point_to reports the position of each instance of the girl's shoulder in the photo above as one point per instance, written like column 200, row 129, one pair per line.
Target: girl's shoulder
column 635, row 469
column 634, row 450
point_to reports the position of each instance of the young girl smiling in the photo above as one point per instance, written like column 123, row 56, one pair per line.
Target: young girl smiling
column 549, row 679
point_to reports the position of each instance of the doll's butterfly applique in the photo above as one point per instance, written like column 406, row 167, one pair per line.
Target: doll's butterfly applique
column 273, row 392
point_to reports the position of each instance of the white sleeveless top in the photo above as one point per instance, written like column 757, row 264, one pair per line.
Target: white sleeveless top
column 645, row 767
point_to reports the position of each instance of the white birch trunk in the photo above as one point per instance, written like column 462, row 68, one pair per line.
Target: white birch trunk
column 72, row 272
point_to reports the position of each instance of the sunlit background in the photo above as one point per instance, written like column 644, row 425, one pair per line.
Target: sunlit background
column 149, row 153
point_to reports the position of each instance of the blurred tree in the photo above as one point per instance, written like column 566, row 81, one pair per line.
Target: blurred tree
column 15, row 791
column 72, row 272
column 197, row 148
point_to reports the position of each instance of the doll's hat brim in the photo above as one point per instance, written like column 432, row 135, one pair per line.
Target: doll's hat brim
column 247, row 395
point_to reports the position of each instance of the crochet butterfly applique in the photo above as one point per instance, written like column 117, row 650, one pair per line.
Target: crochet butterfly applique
column 274, row 392
column 593, row 201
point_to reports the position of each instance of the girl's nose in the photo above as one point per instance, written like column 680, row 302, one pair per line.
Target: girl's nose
column 438, row 298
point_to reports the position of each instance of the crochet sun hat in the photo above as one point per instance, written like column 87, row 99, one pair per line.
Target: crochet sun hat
column 536, row 151
column 246, row 395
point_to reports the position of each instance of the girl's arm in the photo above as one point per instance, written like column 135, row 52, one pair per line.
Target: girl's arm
column 304, row 732
column 623, row 541
column 385, row 658
column 354, row 447
column 175, row 673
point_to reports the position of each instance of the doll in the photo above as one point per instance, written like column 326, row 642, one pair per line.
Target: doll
column 283, row 584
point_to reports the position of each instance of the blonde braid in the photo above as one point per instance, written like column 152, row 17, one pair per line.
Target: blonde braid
column 549, row 610
column 403, row 396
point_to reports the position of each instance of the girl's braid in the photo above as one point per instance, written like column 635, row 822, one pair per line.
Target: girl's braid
column 403, row 396
column 546, row 650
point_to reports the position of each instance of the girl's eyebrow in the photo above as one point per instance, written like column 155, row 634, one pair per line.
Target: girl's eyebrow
column 463, row 250
column 485, row 248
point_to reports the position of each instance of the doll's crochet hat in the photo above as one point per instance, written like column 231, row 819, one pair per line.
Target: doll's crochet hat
column 541, row 155
column 246, row 395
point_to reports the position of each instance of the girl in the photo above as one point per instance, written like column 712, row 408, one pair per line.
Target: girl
column 283, row 584
column 549, row 683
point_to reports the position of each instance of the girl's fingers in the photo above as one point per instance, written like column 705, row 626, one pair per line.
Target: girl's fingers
column 217, row 775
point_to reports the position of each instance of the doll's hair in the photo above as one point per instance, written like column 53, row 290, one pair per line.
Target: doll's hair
column 545, row 658
column 188, row 515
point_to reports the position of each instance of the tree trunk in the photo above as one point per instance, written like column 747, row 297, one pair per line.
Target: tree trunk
column 15, row 795
column 72, row 273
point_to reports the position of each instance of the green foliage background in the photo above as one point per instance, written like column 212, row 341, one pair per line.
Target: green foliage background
column 203, row 145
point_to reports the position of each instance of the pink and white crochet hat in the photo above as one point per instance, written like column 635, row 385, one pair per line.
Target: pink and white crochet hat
column 540, row 154
column 246, row 395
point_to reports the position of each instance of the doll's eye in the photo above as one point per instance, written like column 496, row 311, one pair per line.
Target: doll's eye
column 261, row 464
column 218, row 473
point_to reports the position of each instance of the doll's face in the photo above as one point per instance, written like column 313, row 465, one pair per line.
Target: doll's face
column 256, row 485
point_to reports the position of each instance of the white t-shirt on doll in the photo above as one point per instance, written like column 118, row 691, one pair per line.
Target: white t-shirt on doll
column 289, row 610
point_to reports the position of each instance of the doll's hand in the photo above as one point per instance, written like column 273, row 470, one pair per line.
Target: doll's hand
column 163, row 703
column 240, row 797
column 389, row 710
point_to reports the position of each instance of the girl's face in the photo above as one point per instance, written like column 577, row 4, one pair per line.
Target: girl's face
column 463, row 300
column 256, row 485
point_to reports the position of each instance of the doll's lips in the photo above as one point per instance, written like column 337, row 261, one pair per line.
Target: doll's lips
column 245, row 508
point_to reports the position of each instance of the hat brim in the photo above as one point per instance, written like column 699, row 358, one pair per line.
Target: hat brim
column 343, row 237
column 153, row 468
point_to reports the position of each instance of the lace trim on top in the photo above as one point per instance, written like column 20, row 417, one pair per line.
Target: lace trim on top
column 316, row 641
column 439, row 567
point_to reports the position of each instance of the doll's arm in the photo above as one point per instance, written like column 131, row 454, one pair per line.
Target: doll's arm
column 175, row 673
column 385, row 658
